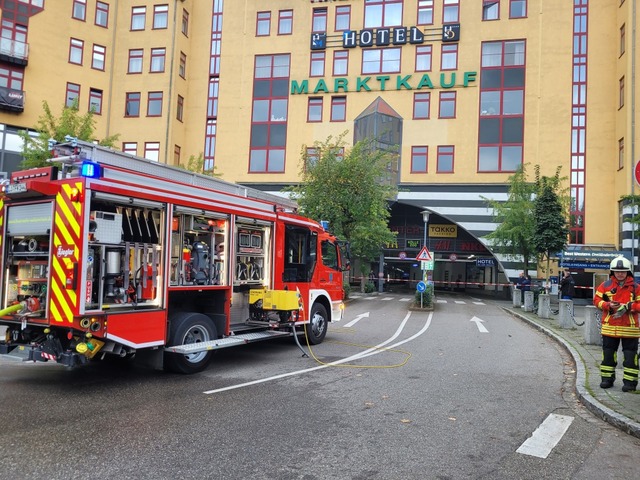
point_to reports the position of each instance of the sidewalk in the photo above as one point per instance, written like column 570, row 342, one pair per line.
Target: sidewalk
column 613, row 405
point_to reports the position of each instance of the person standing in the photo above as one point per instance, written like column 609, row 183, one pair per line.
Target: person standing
column 619, row 300
column 525, row 283
column 567, row 286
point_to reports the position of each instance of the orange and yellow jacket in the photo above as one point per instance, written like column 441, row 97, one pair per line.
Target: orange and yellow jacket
column 626, row 325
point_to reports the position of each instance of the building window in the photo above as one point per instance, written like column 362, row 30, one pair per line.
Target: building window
column 157, row 60
column 79, row 10
column 338, row 109
column 135, row 61
column 314, row 109
column 263, row 24
column 517, row 8
column 176, row 154
column 382, row 13
column 421, row 105
column 285, row 22
column 212, row 99
column 425, row 12
column 95, row 101
column 99, row 55
column 343, row 18
column 449, row 57
column 182, row 68
column 316, row 69
column 102, row 14
column 620, row 153
column 419, row 159
column 76, row 49
column 312, row 157
column 622, row 40
column 11, row 78
column 130, row 147
column 340, row 63
column 210, row 144
column 269, row 114
column 180, row 108
column 185, row 22
column 451, row 11
column 447, row 105
column 501, row 125
column 132, row 104
column 423, row 58
column 319, row 20
column 154, row 104
column 381, row 61
column 445, row 159
column 160, row 16
column 621, row 93
column 152, row 151
column 490, row 10
column 138, row 18
column 72, row 98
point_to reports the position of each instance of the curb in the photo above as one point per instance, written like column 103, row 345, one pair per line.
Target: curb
column 592, row 404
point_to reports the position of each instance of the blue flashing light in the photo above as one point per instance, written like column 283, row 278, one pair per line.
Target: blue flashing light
column 90, row 170
column 325, row 224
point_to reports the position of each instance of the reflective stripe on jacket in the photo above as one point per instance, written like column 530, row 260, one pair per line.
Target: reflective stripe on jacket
column 627, row 324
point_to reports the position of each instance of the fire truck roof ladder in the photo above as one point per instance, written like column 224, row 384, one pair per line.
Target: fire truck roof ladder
column 106, row 156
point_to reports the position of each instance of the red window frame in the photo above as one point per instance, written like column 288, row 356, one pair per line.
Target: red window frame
column 72, row 93
column 137, row 14
column 180, row 108
column 445, row 152
column 158, row 53
column 79, row 10
column 134, row 55
column 340, row 63
column 152, row 147
column 424, row 52
column 95, row 98
column 375, row 8
column 132, row 99
column 317, row 62
column 130, row 147
column 448, row 51
column 160, row 14
column 182, row 67
column 263, row 20
column 343, row 15
column 285, row 22
column 419, row 152
column 444, row 99
column 154, row 99
column 513, row 3
column 425, row 9
column 421, row 99
column 98, row 55
column 102, row 14
column 185, row 22
column 486, row 8
column 319, row 20
column 76, row 45
column 451, row 9
column 338, row 109
column 314, row 110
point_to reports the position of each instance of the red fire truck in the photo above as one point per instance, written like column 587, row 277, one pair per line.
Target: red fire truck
column 106, row 254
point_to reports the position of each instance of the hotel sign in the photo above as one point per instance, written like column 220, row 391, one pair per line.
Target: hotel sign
column 383, row 37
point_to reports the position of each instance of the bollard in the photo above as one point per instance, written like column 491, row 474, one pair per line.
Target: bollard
column 592, row 318
column 517, row 298
column 565, row 314
column 544, row 305
column 528, row 301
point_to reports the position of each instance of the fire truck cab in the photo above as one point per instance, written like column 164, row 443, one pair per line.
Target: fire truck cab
column 107, row 254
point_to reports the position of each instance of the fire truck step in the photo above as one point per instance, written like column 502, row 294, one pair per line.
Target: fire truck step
column 226, row 342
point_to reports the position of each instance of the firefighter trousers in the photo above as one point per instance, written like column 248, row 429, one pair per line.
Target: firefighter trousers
column 610, row 360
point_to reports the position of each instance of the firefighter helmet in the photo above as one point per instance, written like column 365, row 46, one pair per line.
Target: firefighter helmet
column 620, row 264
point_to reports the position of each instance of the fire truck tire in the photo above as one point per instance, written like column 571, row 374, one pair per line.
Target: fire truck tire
column 318, row 324
column 186, row 328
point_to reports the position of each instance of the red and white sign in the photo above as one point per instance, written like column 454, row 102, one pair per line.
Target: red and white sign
column 453, row 257
column 424, row 254
column 637, row 172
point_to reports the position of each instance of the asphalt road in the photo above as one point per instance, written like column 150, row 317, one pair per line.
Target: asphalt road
column 390, row 394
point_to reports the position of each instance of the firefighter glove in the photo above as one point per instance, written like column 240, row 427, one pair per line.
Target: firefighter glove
column 622, row 309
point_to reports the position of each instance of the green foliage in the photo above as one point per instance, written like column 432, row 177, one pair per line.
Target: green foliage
column 549, row 209
column 343, row 186
column 35, row 150
column 346, row 288
column 425, row 297
column 196, row 165
column 369, row 287
column 515, row 219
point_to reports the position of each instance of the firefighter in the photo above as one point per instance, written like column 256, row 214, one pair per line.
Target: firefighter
column 619, row 300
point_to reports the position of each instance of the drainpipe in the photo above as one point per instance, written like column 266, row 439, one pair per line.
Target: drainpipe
column 633, row 123
column 112, row 68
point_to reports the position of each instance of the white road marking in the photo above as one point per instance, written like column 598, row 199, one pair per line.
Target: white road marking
column 405, row 299
column 387, row 298
column 479, row 324
column 460, row 302
column 479, row 303
column 366, row 353
column 357, row 319
column 441, row 301
column 546, row 436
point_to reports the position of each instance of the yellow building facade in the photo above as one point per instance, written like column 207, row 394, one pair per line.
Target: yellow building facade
column 468, row 91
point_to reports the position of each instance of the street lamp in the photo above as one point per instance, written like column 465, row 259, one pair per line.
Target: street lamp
column 425, row 219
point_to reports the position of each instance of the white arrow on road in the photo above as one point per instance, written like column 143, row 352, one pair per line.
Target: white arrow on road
column 357, row 319
column 479, row 323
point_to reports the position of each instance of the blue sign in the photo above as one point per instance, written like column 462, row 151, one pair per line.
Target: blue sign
column 485, row 262
column 421, row 286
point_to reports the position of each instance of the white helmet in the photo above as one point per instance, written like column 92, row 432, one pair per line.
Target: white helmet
column 620, row 264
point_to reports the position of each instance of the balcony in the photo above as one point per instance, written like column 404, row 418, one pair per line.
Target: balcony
column 12, row 51
column 11, row 100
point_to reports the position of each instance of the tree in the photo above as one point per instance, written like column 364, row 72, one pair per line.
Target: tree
column 515, row 219
column 196, row 164
column 549, row 210
column 343, row 186
column 35, row 150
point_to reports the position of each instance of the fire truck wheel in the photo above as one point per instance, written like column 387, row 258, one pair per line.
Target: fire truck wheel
column 317, row 327
column 187, row 328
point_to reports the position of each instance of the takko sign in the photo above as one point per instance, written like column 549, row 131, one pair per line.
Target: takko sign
column 382, row 83
column 443, row 231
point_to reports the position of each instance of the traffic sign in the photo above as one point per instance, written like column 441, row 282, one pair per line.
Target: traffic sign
column 637, row 172
column 421, row 286
column 424, row 254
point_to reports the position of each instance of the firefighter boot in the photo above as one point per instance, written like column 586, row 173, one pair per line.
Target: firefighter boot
column 630, row 371
column 608, row 367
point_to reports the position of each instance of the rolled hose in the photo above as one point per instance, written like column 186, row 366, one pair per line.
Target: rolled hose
column 13, row 308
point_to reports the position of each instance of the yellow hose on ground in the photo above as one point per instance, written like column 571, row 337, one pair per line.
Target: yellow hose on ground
column 13, row 308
